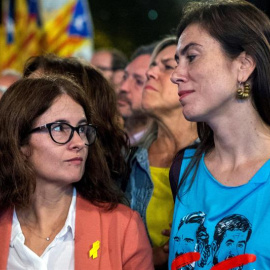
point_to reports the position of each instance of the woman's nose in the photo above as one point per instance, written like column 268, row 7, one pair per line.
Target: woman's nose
column 179, row 75
column 152, row 72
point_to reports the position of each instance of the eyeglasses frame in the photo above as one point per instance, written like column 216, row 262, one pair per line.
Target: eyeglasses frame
column 48, row 127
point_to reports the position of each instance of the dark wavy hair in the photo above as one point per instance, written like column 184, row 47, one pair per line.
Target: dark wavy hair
column 20, row 106
column 238, row 26
column 102, row 99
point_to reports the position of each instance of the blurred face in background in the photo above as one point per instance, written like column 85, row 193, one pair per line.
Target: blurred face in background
column 117, row 79
column 160, row 94
column 6, row 81
column 103, row 61
column 130, row 94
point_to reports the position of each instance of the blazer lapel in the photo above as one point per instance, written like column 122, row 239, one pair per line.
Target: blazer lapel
column 5, row 235
column 87, row 232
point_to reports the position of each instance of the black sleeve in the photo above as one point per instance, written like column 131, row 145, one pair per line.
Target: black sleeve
column 176, row 167
column 175, row 171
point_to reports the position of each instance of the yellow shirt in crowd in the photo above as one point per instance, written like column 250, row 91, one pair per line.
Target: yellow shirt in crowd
column 159, row 212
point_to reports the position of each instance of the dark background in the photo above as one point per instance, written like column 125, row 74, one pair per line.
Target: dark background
column 127, row 24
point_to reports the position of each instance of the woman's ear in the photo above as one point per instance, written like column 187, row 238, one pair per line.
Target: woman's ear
column 26, row 150
column 246, row 67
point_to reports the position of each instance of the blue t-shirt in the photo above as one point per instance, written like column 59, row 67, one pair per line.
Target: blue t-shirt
column 214, row 223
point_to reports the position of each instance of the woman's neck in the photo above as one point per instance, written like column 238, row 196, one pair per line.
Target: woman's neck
column 236, row 138
column 174, row 134
column 45, row 217
column 241, row 147
column 176, row 131
column 48, row 207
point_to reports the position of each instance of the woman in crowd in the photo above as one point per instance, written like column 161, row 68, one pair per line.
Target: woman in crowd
column 148, row 188
column 101, row 97
column 59, row 207
column 222, row 73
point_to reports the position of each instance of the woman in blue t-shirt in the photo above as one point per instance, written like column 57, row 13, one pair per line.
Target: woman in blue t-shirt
column 221, row 212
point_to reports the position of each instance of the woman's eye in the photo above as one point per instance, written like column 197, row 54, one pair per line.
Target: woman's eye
column 167, row 67
column 191, row 57
column 82, row 129
column 59, row 128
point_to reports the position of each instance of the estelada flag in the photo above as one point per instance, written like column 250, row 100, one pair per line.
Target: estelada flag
column 20, row 33
column 68, row 28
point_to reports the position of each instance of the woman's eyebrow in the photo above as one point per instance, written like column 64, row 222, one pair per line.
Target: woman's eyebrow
column 165, row 61
column 192, row 44
column 82, row 121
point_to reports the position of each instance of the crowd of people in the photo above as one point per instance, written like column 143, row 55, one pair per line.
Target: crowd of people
column 156, row 162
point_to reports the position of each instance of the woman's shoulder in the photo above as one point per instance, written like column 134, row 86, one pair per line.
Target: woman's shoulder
column 105, row 211
column 6, row 215
column 115, row 229
column 121, row 211
column 118, row 219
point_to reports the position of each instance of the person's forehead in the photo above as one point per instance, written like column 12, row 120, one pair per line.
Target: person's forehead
column 100, row 57
column 63, row 106
column 194, row 34
column 166, row 53
column 139, row 65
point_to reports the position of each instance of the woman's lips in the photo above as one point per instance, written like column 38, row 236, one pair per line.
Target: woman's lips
column 149, row 87
column 183, row 93
column 75, row 161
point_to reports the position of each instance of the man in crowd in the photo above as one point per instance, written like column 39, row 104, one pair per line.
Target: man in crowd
column 111, row 62
column 130, row 94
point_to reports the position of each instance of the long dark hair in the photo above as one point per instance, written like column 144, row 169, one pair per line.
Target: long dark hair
column 20, row 106
column 238, row 26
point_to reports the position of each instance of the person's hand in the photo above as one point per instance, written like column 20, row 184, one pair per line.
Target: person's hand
column 160, row 254
column 167, row 232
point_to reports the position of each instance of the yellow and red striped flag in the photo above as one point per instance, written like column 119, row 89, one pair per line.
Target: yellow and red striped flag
column 20, row 33
column 68, row 28
column 34, row 27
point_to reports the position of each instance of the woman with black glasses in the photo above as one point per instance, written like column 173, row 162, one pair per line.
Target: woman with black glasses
column 102, row 99
column 59, row 208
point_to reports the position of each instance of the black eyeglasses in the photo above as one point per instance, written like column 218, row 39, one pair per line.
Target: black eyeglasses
column 62, row 133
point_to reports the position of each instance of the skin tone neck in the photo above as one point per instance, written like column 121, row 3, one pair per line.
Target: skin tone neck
column 46, row 215
column 174, row 133
column 234, row 162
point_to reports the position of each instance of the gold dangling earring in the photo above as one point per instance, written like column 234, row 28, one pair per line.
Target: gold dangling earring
column 243, row 93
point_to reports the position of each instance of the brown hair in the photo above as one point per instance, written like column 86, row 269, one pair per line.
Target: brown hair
column 20, row 106
column 163, row 44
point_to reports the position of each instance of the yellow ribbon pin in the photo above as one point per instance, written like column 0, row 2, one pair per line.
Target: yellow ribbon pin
column 93, row 251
